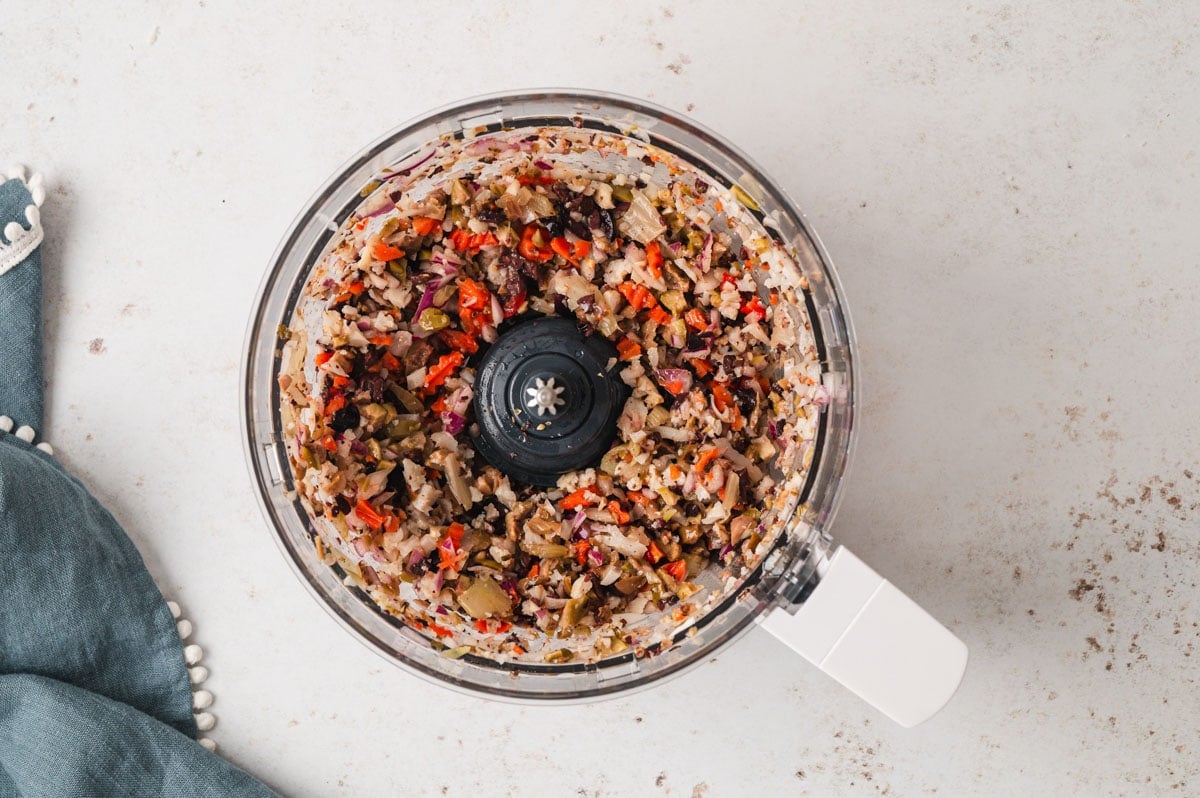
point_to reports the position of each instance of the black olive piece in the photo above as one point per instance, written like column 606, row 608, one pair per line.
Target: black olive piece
column 342, row 504
column 491, row 214
column 580, row 229
column 395, row 482
column 431, row 561
column 344, row 419
column 747, row 397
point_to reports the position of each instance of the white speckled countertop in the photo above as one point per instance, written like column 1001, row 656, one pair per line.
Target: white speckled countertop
column 1010, row 192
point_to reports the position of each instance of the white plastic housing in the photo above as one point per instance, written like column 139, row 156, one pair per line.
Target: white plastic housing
column 857, row 627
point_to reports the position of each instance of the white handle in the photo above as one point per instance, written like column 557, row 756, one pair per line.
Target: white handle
column 857, row 627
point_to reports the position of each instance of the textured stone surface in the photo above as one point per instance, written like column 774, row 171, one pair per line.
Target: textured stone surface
column 1011, row 194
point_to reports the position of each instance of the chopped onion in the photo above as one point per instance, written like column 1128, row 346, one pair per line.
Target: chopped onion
column 675, row 375
column 387, row 206
column 426, row 299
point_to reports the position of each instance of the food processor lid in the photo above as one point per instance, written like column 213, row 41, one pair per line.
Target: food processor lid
column 547, row 399
column 861, row 630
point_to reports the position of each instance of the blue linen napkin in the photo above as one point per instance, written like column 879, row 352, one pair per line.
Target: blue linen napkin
column 95, row 698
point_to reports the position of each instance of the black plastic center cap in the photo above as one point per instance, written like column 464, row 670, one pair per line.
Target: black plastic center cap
column 547, row 400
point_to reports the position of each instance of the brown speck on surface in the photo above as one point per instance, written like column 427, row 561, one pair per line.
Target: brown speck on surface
column 638, row 719
column 1016, row 573
column 668, row 12
column 96, row 346
column 800, row 774
column 128, row 309
column 662, row 778
column 1082, row 587
column 700, row 790
column 1095, row 644
column 1160, row 542
column 691, row 107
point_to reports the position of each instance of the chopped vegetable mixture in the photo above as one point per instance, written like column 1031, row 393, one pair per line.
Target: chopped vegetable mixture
column 706, row 314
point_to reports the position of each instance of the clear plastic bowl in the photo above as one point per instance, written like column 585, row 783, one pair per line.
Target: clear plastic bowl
column 786, row 575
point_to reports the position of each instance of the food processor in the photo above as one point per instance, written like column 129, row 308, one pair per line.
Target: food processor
column 815, row 596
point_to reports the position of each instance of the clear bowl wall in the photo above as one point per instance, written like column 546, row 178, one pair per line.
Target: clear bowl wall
column 786, row 575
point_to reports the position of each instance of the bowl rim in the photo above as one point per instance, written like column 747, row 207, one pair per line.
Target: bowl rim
column 840, row 458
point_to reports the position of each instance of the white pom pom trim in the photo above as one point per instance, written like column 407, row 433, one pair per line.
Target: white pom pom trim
column 197, row 674
column 25, row 433
column 22, row 241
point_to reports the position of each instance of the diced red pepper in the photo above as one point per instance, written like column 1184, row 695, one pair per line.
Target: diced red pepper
column 322, row 358
column 474, row 305
column 754, row 307
column 582, row 249
column 562, row 246
column 381, row 340
column 529, row 180
column 329, row 443
column 637, row 295
column 440, row 631
column 386, row 252
column 653, row 553
column 580, row 498
column 529, row 249
column 485, row 626
column 460, row 341
column 335, row 404
column 355, row 288
column 366, row 513
column 582, row 547
column 654, row 259
column 696, row 319
column 677, row 570
column 445, row 366
column 706, row 457
column 460, row 239
column 628, row 348
column 722, row 398
column 702, row 367
column 676, row 387
column 448, row 555
column 390, row 362
column 512, row 306
column 455, row 533
column 638, row 497
column 658, row 315
column 614, row 508
column 483, row 240
column 424, row 225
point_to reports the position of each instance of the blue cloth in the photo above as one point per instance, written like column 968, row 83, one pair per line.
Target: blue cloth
column 20, row 320
column 94, row 693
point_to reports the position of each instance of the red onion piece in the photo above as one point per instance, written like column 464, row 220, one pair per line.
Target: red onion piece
column 387, row 206
column 453, row 422
column 675, row 375
column 426, row 300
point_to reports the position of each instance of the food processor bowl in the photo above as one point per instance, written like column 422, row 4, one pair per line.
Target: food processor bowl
column 818, row 598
